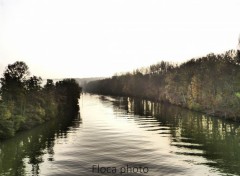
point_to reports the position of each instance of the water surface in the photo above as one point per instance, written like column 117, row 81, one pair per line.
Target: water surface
column 125, row 136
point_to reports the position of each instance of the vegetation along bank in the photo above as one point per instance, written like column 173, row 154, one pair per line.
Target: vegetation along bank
column 209, row 84
column 25, row 103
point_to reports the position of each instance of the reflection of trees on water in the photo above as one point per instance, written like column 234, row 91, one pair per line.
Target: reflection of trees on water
column 219, row 140
column 29, row 147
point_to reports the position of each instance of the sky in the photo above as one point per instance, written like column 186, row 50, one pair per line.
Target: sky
column 98, row 38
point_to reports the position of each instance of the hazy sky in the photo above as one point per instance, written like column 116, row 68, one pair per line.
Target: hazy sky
column 84, row 38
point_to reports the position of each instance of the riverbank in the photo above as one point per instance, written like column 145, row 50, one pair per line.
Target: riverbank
column 208, row 84
column 25, row 103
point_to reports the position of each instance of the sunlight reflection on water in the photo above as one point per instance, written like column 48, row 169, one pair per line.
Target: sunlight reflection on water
column 120, row 133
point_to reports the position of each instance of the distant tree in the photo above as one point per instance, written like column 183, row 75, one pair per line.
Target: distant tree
column 210, row 84
column 49, row 85
column 67, row 95
column 238, row 55
column 34, row 83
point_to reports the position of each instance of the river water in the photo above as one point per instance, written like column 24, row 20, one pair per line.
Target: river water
column 125, row 136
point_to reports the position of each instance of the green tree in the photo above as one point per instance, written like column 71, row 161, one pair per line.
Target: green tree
column 13, row 81
column 6, row 122
column 13, row 90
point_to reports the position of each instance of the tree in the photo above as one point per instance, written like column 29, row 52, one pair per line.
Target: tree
column 49, row 85
column 238, row 56
column 33, row 83
column 209, row 84
column 6, row 123
column 25, row 104
column 13, row 81
column 68, row 93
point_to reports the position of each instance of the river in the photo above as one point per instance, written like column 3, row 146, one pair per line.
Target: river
column 125, row 136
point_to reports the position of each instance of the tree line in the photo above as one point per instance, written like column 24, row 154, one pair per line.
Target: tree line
column 209, row 84
column 25, row 103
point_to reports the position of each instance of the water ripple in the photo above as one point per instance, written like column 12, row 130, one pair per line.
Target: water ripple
column 111, row 135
